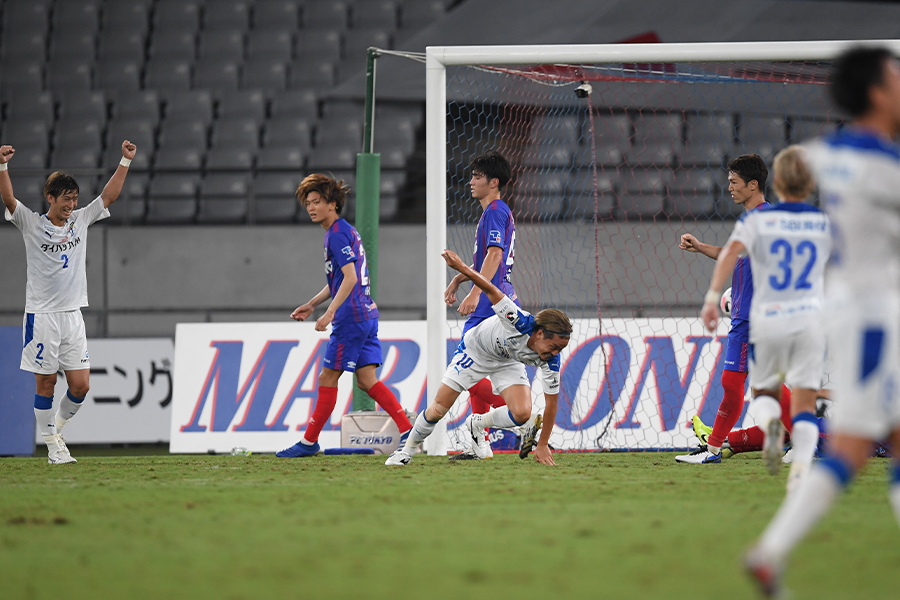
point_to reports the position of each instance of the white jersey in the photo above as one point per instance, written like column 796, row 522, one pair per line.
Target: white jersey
column 56, row 257
column 504, row 337
column 788, row 245
column 858, row 174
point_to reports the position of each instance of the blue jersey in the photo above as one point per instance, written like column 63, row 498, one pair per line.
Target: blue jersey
column 742, row 288
column 495, row 228
column 344, row 246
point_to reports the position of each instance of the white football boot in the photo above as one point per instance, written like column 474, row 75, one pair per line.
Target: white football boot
column 398, row 458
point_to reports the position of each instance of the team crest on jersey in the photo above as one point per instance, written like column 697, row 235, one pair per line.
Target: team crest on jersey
column 495, row 236
column 348, row 252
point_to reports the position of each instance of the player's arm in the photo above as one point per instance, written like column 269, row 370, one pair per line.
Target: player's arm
column 692, row 244
column 455, row 262
column 450, row 292
column 724, row 268
column 6, row 189
column 113, row 188
column 303, row 311
column 542, row 451
column 349, row 271
column 488, row 270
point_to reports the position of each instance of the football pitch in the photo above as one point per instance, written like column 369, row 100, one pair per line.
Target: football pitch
column 607, row 525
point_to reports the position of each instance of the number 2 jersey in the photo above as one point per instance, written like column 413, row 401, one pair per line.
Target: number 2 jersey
column 342, row 247
column 788, row 245
column 56, row 278
column 504, row 337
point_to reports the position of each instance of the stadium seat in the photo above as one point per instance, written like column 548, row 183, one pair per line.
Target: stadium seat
column 337, row 131
column 333, row 157
column 275, row 15
column 221, row 44
column 545, row 156
column 561, row 129
column 173, row 45
column 73, row 156
column 244, row 104
column 33, row 132
column 645, row 181
column 640, row 206
column 393, row 158
column 805, row 129
column 167, row 75
column 710, row 128
column 73, row 45
column 273, row 198
column 307, row 75
column 27, row 45
column 83, row 16
column 190, row 105
column 693, row 192
column 378, row 14
column 295, row 103
column 131, row 206
column 186, row 131
column 29, row 190
column 223, row 199
column 325, row 14
column 652, row 152
column 288, row 130
column 270, row 45
column 142, row 104
column 658, row 125
column 138, row 131
column 170, row 211
column 692, row 204
column 91, row 105
column 761, row 135
column 26, row 16
column 222, row 158
column 217, row 75
column 227, row 14
column 612, row 138
column 23, row 75
column 417, row 14
column 579, row 204
column 64, row 76
column 76, row 131
column 281, row 157
column 399, row 133
column 132, row 16
column 318, row 46
column 178, row 157
column 357, row 43
column 171, row 14
column 264, row 74
column 30, row 156
column 27, row 106
column 117, row 74
column 236, row 132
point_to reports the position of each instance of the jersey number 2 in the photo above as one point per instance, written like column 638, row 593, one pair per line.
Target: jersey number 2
column 65, row 260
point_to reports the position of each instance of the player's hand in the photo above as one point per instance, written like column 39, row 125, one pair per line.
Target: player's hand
column 450, row 292
column 544, row 455
column 469, row 303
column 710, row 316
column 324, row 320
column 6, row 153
column 689, row 243
column 452, row 258
column 128, row 150
column 302, row 312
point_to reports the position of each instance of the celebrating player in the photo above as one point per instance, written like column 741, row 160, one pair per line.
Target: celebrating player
column 788, row 245
column 56, row 289
column 858, row 170
column 495, row 239
column 354, row 344
column 500, row 346
column 746, row 183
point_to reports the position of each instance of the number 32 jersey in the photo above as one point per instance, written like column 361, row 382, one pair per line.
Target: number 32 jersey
column 56, row 257
column 342, row 247
column 788, row 245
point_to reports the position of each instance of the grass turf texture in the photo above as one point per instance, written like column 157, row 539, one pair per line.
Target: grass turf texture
column 597, row 525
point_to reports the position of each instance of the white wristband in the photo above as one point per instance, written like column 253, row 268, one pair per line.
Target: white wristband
column 125, row 162
column 712, row 297
column 3, row 166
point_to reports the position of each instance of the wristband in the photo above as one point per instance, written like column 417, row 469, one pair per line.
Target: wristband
column 712, row 297
column 3, row 166
column 125, row 162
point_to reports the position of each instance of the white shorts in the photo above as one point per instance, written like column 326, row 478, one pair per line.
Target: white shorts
column 797, row 360
column 864, row 346
column 466, row 370
column 54, row 341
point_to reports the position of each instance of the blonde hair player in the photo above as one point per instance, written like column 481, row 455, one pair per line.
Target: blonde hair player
column 500, row 346
column 56, row 289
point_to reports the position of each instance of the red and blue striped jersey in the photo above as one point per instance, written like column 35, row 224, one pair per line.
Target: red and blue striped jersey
column 343, row 246
column 742, row 287
column 496, row 227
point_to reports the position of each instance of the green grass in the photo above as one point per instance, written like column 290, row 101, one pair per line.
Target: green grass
column 596, row 526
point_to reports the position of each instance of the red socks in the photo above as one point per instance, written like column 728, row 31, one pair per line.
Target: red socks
column 751, row 439
column 324, row 407
column 731, row 407
column 386, row 400
column 482, row 397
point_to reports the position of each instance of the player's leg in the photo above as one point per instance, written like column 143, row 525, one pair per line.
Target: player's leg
column 325, row 402
column 895, row 474
column 511, row 381
column 804, row 375
column 733, row 379
column 424, row 425
column 74, row 360
column 368, row 360
column 482, row 398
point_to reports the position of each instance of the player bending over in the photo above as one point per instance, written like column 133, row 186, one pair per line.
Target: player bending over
column 354, row 344
column 747, row 176
column 55, row 291
column 788, row 245
column 858, row 170
column 500, row 347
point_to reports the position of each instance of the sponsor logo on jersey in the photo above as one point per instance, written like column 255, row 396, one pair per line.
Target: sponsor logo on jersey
column 495, row 236
column 65, row 245
column 348, row 252
column 512, row 316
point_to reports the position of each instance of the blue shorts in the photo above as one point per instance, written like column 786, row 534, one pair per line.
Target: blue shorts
column 353, row 344
column 737, row 347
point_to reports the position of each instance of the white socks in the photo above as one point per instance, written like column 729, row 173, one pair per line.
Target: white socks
column 763, row 409
column 67, row 409
column 804, row 439
column 421, row 429
column 499, row 418
column 47, row 426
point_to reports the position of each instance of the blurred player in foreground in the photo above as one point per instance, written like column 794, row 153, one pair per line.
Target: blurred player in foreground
column 493, row 258
column 500, row 347
column 747, row 176
column 788, row 245
column 858, row 171
column 354, row 344
column 56, row 289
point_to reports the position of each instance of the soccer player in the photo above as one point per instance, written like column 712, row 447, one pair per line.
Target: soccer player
column 500, row 346
column 747, row 176
column 494, row 254
column 858, row 171
column 354, row 344
column 788, row 245
column 55, row 291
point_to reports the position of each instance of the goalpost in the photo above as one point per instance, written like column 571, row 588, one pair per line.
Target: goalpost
column 616, row 150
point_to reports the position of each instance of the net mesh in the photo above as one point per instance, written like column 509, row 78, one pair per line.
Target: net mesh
column 604, row 184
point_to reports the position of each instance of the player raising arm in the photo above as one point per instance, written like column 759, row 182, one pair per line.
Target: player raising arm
column 56, row 289
column 500, row 346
